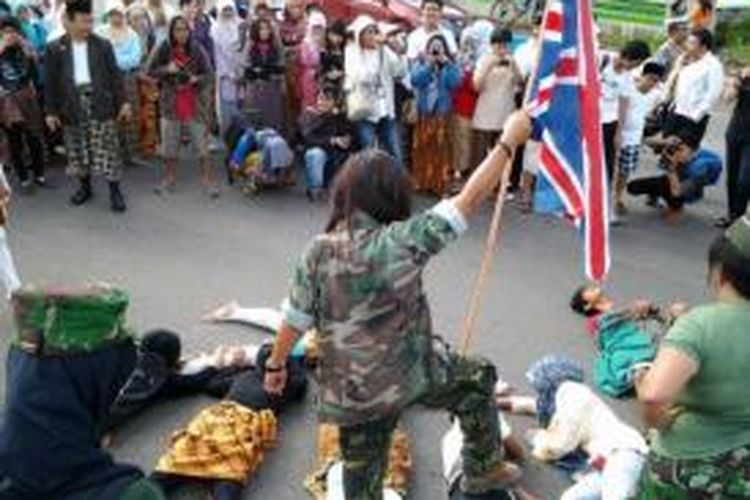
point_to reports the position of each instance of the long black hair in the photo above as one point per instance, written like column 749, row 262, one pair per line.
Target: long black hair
column 371, row 182
column 173, row 25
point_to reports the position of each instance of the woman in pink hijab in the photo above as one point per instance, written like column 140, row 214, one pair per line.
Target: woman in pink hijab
column 309, row 59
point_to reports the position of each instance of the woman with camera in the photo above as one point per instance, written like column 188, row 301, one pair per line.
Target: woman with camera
column 184, row 74
column 434, row 77
column 496, row 79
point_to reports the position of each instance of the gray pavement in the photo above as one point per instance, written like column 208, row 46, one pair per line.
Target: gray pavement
column 183, row 255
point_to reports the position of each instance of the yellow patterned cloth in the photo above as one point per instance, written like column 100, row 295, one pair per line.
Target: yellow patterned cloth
column 329, row 452
column 225, row 441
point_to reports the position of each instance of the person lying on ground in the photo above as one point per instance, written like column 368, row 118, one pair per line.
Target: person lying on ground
column 224, row 444
column 694, row 395
column 689, row 170
column 160, row 374
column 71, row 353
column 572, row 417
column 623, row 337
column 359, row 284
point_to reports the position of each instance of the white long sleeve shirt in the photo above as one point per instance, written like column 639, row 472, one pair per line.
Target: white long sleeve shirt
column 376, row 69
column 583, row 420
column 699, row 87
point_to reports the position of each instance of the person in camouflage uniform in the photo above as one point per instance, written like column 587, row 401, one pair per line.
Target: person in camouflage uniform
column 360, row 286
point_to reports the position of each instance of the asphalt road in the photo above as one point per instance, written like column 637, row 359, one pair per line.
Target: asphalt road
column 183, row 255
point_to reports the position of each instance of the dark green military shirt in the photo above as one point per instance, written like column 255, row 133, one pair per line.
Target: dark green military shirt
column 361, row 289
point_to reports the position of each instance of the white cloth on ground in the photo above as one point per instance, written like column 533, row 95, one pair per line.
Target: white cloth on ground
column 583, row 420
column 617, row 481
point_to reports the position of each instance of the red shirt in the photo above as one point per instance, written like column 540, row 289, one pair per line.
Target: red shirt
column 465, row 97
column 186, row 96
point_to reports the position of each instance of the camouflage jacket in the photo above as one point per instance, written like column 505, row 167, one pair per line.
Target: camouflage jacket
column 361, row 288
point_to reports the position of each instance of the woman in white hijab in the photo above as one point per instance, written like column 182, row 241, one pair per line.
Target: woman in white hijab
column 225, row 33
column 372, row 63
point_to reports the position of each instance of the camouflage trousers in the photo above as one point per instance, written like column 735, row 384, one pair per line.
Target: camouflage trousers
column 466, row 389
column 725, row 476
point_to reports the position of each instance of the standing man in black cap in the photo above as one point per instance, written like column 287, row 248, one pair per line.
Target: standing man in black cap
column 84, row 96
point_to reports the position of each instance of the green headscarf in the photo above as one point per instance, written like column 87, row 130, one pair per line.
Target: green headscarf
column 66, row 320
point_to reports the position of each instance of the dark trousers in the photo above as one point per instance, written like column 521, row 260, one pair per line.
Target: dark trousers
column 656, row 187
column 738, row 176
column 678, row 124
column 467, row 391
column 18, row 138
column 609, row 132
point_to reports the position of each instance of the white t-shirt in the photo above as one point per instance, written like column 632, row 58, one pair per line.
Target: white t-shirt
column 81, row 71
column 614, row 86
column 640, row 105
column 417, row 41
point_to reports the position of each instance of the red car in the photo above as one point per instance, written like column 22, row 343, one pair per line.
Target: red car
column 390, row 11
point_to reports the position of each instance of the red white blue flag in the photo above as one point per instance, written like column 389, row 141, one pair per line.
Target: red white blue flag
column 564, row 103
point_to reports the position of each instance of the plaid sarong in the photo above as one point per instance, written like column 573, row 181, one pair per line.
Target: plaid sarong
column 92, row 146
column 628, row 160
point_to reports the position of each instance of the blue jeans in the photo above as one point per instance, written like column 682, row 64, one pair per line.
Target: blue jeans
column 316, row 160
column 385, row 133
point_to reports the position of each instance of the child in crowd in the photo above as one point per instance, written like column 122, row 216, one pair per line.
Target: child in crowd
column 20, row 115
column 642, row 100
column 327, row 136
column 617, row 82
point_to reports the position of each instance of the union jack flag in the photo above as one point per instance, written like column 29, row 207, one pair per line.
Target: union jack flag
column 564, row 103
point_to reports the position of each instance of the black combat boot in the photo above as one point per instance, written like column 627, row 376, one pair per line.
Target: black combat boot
column 116, row 199
column 84, row 192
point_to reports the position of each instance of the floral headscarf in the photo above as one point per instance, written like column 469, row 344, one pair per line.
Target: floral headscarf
column 546, row 376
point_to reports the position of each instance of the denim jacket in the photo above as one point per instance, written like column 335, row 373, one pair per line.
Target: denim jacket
column 434, row 87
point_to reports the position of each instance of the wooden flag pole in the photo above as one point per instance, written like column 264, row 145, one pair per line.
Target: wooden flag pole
column 491, row 245
column 493, row 235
